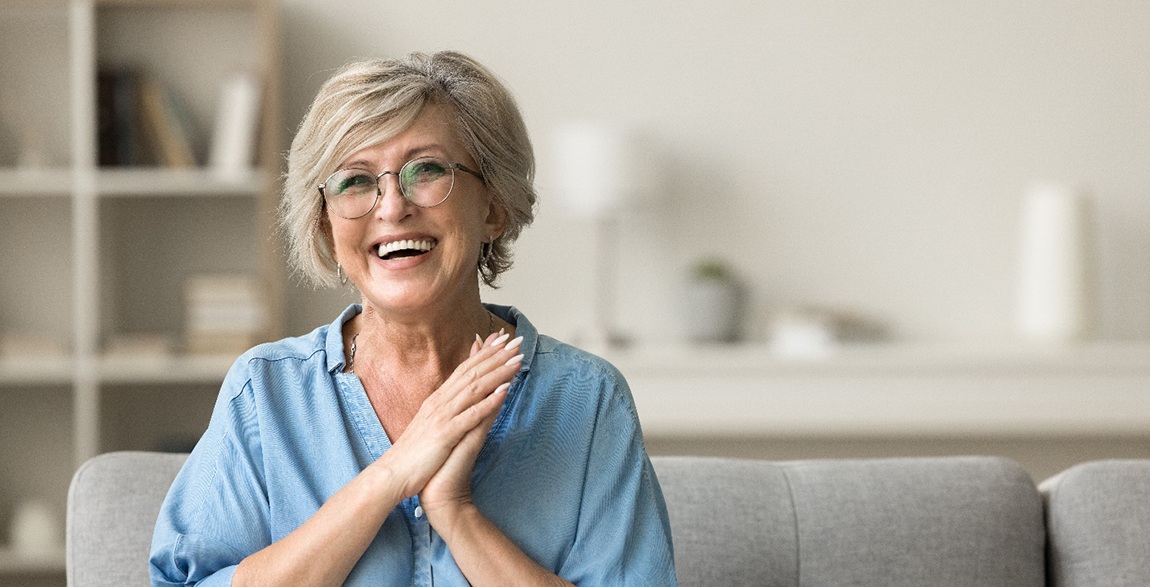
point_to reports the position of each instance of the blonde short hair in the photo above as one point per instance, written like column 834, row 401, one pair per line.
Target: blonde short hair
column 366, row 103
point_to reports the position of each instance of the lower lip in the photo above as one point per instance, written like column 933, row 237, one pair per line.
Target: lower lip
column 400, row 263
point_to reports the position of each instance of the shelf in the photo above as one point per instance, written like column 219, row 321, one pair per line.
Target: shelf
column 144, row 181
column 35, row 371
column 35, row 183
column 22, row 371
column 1103, row 358
column 167, row 4
column 165, row 369
column 1097, row 389
column 12, row 562
column 98, row 251
column 159, row 182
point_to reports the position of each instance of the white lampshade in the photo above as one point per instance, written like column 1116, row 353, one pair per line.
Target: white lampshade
column 599, row 168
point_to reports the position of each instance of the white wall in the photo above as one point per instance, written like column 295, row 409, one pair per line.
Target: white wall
column 873, row 152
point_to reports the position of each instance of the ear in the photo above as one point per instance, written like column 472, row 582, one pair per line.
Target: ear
column 496, row 219
column 323, row 233
column 323, row 226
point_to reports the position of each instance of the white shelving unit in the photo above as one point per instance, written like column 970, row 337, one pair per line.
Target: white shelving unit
column 1092, row 389
column 92, row 252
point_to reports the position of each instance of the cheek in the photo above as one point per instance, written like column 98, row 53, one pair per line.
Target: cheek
column 341, row 236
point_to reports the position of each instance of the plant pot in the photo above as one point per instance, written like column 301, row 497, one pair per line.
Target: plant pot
column 712, row 310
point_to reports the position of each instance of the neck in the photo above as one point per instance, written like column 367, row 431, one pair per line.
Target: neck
column 428, row 343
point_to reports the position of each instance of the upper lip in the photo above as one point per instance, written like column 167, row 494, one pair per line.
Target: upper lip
column 382, row 242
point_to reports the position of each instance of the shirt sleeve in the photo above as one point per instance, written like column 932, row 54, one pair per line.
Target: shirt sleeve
column 216, row 512
column 624, row 534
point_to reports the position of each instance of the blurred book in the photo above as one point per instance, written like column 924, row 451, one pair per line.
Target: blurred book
column 140, row 122
column 225, row 313
column 167, row 125
column 120, row 141
column 234, row 139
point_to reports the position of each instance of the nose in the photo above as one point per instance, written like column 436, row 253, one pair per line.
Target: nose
column 393, row 206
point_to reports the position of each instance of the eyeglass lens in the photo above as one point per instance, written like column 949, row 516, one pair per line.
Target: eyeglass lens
column 425, row 182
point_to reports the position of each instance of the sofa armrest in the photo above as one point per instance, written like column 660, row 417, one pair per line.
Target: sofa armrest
column 112, row 507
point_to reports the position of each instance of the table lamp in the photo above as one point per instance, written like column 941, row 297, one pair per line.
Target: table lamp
column 601, row 174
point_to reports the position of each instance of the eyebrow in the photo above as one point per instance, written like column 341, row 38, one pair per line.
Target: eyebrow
column 410, row 154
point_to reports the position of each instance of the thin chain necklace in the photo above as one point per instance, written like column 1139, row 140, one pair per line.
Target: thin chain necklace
column 354, row 337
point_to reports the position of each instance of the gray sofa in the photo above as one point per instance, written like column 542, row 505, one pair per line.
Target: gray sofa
column 953, row 521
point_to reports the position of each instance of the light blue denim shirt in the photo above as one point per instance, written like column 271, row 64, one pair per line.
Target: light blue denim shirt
column 563, row 472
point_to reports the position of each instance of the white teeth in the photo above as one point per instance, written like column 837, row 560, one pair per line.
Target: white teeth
column 422, row 245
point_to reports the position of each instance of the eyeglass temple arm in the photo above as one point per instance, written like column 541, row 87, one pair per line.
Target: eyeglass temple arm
column 463, row 167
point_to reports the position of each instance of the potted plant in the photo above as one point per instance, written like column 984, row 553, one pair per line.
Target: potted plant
column 712, row 302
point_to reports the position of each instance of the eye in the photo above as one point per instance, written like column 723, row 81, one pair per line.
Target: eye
column 353, row 182
column 423, row 171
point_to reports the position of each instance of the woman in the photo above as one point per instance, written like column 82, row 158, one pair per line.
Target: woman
column 422, row 437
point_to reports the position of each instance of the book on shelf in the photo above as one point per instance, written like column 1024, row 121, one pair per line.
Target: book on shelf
column 237, row 126
column 140, row 121
column 167, row 124
column 120, row 141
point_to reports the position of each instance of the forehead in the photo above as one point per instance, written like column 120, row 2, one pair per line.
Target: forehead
column 434, row 131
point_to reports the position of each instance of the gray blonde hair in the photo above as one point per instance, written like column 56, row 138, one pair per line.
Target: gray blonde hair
column 366, row 103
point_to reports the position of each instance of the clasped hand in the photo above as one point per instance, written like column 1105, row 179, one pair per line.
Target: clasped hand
column 436, row 454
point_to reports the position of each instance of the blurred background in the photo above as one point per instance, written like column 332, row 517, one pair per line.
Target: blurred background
column 929, row 224
column 869, row 157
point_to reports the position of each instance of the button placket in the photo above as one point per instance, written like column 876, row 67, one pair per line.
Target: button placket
column 421, row 541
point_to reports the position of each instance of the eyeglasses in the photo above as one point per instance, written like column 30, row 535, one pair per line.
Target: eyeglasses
column 425, row 181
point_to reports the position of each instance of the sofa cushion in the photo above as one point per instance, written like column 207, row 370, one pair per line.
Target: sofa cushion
column 1098, row 523
column 732, row 521
column 953, row 521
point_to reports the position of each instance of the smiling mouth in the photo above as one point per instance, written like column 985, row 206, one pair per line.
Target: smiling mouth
column 405, row 248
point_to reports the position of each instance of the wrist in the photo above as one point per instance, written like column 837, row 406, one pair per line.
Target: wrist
column 451, row 518
column 385, row 480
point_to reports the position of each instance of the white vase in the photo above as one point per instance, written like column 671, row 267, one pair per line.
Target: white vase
column 712, row 310
column 1055, row 270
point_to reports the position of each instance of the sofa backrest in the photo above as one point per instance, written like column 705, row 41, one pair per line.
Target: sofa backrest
column 890, row 522
column 1098, row 524
column 954, row 521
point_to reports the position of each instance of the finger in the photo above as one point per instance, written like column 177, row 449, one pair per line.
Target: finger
column 497, row 339
column 477, row 376
column 483, row 410
column 474, row 362
column 480, row 381
column 475, row 390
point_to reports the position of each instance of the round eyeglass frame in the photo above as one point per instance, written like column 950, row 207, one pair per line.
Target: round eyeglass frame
column 402, row 190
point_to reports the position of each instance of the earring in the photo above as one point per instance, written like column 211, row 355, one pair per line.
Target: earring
column 340, row 274
column 484, row 252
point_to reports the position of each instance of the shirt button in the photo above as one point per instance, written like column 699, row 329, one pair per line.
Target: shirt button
column 418, row 511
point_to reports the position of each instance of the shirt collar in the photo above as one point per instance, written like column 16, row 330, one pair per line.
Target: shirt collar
column 523, row 327
column 334, row 341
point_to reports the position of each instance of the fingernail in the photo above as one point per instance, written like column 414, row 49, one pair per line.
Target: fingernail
column 502, row 388
column 513, row 360
column 500, row 340
column 514, row 344
column 478, row 340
